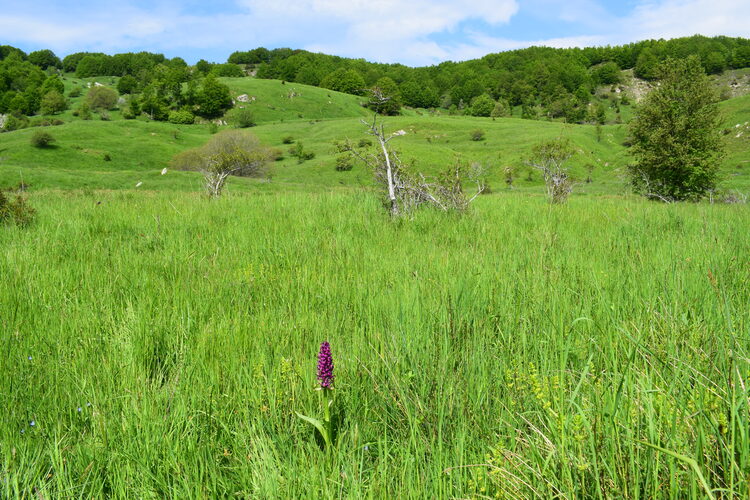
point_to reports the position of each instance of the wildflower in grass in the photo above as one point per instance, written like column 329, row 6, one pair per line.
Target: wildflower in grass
column 325, row 366
column 32, row 423
column 325, row 379
column 30, row 358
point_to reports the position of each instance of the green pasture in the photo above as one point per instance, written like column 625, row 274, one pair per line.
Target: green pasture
column 157, row 345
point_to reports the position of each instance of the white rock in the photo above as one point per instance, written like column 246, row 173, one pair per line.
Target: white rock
column 243, row 98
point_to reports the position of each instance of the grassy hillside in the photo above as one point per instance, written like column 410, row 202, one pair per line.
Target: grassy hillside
column 737, row 134
column 139, row 149
column 277, row 101
column 434, row 143
column 157, row 345
column 274, row 100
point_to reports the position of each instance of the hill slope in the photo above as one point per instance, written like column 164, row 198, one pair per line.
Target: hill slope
column 273, row 100
column 139, row 149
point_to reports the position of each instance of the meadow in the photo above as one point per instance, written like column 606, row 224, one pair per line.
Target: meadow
column 157, row 344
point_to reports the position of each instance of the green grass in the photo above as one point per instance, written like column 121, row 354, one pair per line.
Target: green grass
column 521, row 350
column 139, row 150
column 277, row 101
column 737, row 162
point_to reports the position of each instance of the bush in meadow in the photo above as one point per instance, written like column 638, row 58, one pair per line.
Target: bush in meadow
column 41, row 139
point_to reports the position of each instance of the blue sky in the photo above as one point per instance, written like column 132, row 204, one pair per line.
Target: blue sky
column 416, row 32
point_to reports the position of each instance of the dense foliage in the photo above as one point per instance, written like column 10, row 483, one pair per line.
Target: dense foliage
column 560, row 81
column 675, row 134
column 157, row 86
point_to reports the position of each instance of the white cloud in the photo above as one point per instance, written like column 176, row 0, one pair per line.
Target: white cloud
column 675, row 18
column 407, row 19
column 385, row 30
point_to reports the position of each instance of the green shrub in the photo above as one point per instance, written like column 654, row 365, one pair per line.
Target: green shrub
column 344, row 163
column 39, row 122
column 83, row 112
column 477, row 135
column 242, row 118
column 227, row 70
column 127, row 113
column 17, row 211
column 75, row 92
column 298, row 151
column 482, row 106
column 41, row 139
column 101, row 98
column 53, row 102
column 127, row 85
column 14, row 122
column 181, row 117
column 501, row 109
column 287, row 140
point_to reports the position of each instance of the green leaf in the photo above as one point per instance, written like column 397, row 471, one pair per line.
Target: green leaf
column 318, row 425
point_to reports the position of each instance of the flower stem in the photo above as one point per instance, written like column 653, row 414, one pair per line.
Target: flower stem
column 327, row 403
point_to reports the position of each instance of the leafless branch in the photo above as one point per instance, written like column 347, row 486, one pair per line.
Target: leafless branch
column 652, row 191
column 406, row 191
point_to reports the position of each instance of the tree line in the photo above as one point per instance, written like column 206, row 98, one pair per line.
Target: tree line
column 164, row 89
column 556, row 83
column 536, row 82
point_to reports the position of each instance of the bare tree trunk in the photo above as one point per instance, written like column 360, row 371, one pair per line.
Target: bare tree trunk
column 389, row 174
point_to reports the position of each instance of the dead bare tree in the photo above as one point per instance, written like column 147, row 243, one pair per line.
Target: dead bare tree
column 549, row 157
column 404, row 190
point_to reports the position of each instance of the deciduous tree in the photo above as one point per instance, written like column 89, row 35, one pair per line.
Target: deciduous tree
column 231, row 152
column 101, row 98
column 675, row 135
column 213, row 98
